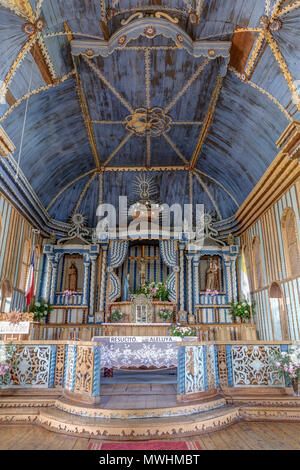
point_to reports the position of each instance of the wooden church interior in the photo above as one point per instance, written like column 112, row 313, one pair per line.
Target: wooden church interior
column 164, row 102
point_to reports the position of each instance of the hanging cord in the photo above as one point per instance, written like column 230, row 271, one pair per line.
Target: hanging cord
column 25, row 116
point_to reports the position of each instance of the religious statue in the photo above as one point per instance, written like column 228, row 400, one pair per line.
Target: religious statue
column 126, row 290
column 212, row 275
column 72, row 277
column 142, row 271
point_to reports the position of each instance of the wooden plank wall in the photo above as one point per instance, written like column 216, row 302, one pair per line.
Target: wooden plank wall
column 268, row 229
column 14, row 231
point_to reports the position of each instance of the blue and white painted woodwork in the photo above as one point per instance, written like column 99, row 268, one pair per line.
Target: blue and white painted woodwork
column 202, row 367
column 55, row 273
column 148, row 71
column 15, row 232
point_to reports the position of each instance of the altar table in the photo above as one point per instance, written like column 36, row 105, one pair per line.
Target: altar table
column 135, row 329
column 132, row 351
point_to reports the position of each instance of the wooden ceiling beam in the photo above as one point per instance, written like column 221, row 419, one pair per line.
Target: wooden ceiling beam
column 207, row 121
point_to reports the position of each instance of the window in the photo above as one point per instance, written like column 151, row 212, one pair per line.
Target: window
column 290, row 242
column 257, row 263
column 25, row 263
column 280, row 327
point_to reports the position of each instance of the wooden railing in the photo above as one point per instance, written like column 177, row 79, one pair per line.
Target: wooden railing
column 225, row 332
column 58, row 331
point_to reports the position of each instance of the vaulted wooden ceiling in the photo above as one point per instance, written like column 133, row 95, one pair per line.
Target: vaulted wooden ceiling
column 214, row 116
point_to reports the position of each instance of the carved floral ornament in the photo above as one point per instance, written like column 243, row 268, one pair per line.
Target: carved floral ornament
column 153, row 122
column 150, row 28
column 32, row 28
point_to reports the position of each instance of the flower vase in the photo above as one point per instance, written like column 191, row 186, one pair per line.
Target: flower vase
column 295, row 387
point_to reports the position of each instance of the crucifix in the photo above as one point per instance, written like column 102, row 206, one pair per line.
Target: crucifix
column 142, row 260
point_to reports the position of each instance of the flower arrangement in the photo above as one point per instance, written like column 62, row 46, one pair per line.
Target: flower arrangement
column 41, row 309
column 7, row 363
column 183, row 331
column 212, row 293
column 288, row 365
column 116, row 315
column 69, row 293
column 242, row 310
column 165, row 314
column 154, row 290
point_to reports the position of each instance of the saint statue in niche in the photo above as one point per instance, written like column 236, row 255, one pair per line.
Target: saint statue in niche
column 212, row 275
column 142, row 271
column 72, row 277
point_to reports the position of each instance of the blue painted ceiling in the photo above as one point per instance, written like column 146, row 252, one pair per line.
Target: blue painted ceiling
column 75, row 126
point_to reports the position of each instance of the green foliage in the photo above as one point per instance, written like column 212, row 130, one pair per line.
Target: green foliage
column 116, row 315
column 242, row 309
column 183, row 331
column 166, row 314
column 154, row 290
column 8, row 362
column 41, row 309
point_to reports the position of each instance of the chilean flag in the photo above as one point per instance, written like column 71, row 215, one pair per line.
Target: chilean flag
column 30, row 282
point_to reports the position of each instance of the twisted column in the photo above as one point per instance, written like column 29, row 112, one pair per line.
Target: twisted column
column 85, row 282
column 190, row 301
column 53, row 281
column 228, row 279
column 48, row 277
column 181, row 278
column 92, row 288
column 233, row 280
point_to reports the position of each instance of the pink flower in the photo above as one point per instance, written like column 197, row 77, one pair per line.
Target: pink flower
column 3, row 369
column 277, row 364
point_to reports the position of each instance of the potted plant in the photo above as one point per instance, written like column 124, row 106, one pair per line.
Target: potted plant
column 8, row 362
column 116, row 315
column 183, row 331
column 288, row 366
column 242, row 310
column 41, row 309
column 165, row 314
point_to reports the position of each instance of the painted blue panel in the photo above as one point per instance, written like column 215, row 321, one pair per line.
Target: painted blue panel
column 12, row 39
column 55, row 148
column 230, row 152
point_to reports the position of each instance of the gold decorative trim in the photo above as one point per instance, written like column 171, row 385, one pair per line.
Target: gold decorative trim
column 207, row 120
column 35, row 92
column 282, row 64
column 288, row 8
column 255, row 52
column 257, row 87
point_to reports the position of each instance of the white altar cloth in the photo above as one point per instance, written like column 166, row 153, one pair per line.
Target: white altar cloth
column 137, row 351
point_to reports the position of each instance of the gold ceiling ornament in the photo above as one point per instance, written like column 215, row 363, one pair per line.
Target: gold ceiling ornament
column 156, row 14
column 153, row 122
column 20, row 6
column 289, row 8
column 257, row 48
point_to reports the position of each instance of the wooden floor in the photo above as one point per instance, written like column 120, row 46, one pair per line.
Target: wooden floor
column 253, row 436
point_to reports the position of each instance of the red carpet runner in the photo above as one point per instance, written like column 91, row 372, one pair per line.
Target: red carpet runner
column 146, row 445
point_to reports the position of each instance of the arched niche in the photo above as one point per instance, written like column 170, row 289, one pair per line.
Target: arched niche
column 257, row 263
column 279, row 317
column 290, row 238
column 70, row 273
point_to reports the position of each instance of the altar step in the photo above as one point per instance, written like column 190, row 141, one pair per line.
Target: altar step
column 43, row 411
column 138, row 407
column 140, row 428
